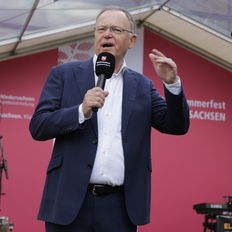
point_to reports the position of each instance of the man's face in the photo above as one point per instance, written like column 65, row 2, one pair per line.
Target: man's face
column 108, row 41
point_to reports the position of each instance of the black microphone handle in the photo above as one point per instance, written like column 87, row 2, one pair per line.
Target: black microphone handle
column 100, row 83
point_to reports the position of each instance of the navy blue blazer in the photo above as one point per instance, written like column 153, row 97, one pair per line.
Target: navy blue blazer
column 70, row 167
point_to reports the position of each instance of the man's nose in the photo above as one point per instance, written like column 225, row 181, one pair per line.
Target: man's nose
column 108, row 31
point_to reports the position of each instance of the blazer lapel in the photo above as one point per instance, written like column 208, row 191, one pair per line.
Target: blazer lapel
column 130, row 83
column 84, row 74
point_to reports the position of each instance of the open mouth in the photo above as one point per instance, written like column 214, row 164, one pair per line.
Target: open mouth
column 107, row 45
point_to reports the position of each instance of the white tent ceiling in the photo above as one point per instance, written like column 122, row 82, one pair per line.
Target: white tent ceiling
column 30, row 26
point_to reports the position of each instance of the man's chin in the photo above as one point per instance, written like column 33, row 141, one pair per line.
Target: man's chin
column 107, row 49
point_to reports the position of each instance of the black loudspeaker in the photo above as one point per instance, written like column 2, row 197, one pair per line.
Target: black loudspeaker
column 224, row 223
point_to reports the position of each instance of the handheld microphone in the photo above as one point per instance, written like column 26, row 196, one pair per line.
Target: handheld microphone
column 104, row 69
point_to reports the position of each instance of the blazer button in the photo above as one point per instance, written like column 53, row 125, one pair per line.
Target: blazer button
column 90, row 166
column 94, row 141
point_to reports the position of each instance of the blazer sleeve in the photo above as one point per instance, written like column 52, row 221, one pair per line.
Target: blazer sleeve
column 53, row 116
column 173, row 118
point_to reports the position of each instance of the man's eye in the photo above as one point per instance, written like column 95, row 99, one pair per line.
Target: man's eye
column 117, row 30
column 101, row 29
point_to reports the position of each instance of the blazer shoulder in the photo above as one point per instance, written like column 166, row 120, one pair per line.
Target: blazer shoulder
column 74, row 64
column 129, row 71
column 141, row 78
column 72, row 68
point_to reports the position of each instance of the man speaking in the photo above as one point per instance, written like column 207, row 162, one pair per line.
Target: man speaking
column 99, row 175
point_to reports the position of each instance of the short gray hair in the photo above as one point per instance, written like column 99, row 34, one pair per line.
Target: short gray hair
column 118, row 8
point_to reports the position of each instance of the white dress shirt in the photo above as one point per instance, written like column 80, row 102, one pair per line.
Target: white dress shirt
column 109, row 162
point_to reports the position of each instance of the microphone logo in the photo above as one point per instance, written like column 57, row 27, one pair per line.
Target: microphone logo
column 105, row 64
column 103, row 58
column 104, row 69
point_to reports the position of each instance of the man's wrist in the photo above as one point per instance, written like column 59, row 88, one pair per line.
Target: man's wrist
column 82, row 117
column 174, row 88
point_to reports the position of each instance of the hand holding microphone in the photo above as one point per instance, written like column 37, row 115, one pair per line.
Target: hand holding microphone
column 104, row 69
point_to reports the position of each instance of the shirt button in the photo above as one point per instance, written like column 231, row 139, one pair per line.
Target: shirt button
column 90, row 166
column 94, row 141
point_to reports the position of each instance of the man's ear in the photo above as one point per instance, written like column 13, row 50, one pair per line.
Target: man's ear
column 133, row 39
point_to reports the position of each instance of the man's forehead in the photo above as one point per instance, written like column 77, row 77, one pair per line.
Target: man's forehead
column 111, row 13
column 109, row 17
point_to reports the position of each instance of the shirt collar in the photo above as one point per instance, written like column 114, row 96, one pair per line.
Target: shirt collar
column 121, row 71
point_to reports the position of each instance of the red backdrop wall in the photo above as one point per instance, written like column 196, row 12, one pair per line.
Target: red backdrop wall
column 194, row 168
column 27, row 159
column 187, row 170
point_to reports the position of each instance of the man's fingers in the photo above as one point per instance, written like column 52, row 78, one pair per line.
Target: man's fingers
column 157, row 53
column 95, row 97
column 162, row 60
column 166, row 60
